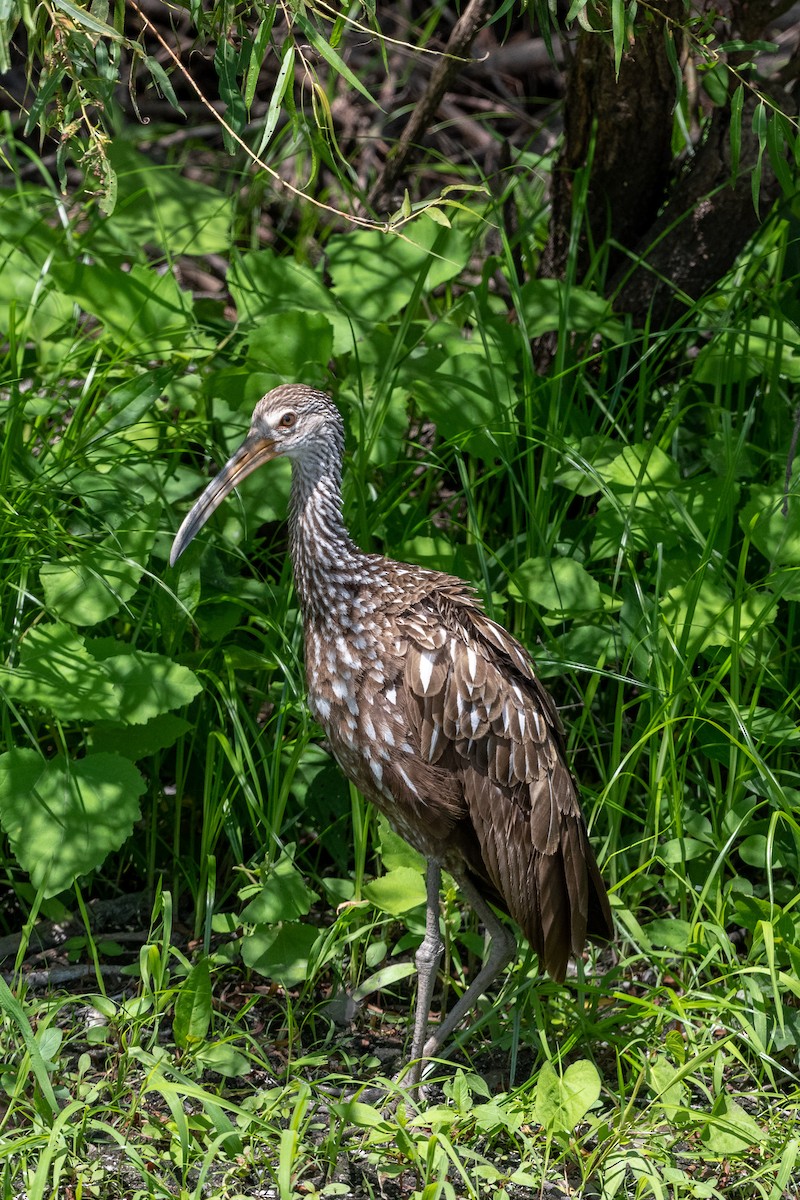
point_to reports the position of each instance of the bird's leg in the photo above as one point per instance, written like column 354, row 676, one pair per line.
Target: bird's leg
column 502, row 948
column 427, row 960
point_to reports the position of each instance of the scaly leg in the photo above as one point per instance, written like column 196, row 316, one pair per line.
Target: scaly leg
column 427, row 960
column 502, row 948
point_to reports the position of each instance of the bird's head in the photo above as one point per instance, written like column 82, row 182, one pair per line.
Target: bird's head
column 293, row 421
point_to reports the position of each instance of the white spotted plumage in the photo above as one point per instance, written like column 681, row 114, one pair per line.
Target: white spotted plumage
column 481, row 785
column 431, row 708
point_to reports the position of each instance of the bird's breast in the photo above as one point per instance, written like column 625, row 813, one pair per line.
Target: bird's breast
column 355, row 692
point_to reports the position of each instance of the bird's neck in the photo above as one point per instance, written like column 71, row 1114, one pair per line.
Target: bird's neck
column 325, row 560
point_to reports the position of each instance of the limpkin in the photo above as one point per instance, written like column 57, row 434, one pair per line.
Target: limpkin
column 435, row 713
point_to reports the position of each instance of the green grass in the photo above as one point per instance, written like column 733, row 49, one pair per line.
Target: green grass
column 621, row 515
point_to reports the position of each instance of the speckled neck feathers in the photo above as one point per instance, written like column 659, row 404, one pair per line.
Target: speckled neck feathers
column 326, row 562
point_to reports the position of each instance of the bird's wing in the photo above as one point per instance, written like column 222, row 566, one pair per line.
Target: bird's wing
column 476, row 709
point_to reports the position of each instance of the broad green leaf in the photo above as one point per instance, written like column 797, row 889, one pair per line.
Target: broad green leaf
column 226, row 923
column 548, row 305
column 492, row 1117
column 704, row 616
column 138, row 741
column 141, row 310
column 701, row 499
column 107, row 486
column 395, row 851
column 683, row 849
column 759, row 915
column 193, row 1006
column 730, row 1130
column 56, row 673
column 644, row 467
column 766, row 346
column 102, row 680
column 674, row 934
column 398, row 891
column 158, row 205
column 664, row 1081
column 91, row 586
column 338, row 891
column 647, row 503
column 265, row 286
column 145, row 684
column 375, row 274
column 469, row 399
column 283, row 896
column 560, row 585
column 774, row 728
column 224, row 1059
column 438, row 216
column 563, row 1101
column 127, row 403
column 384, row 978
column 775, row 535
column 364, row 1116
column 581, row 474
column 281, row 953
column 757, row 851
column 633, row 527
column 298, row 347
column 49, row 1040
column 64, row 817
column 675, row 1046
column 41, row 310
column 588, row 645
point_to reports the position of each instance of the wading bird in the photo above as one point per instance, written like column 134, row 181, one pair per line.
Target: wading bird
column 433, row 711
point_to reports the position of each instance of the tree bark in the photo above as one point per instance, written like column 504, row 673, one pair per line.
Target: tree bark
column 624, row 126
column 673, row 227
column 709, row 219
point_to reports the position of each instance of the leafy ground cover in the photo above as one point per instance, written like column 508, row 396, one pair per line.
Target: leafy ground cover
column 623, row 513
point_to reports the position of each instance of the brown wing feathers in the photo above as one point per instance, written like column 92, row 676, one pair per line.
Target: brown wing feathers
column 476, row 708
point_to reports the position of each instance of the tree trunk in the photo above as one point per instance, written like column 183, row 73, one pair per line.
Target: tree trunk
column 709, row 219
column 673, row 227
column 625, row 127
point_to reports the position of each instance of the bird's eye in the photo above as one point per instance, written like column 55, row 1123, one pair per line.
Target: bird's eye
column 288, row 420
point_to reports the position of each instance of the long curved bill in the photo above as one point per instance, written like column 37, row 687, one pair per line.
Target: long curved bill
column 253, row 451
